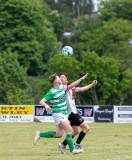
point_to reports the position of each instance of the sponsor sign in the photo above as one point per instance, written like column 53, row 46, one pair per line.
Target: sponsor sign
column 86, row 112
column 16, row 113
column 40, row 114
column 43, row 116
column 103, row 113
column 122, row 114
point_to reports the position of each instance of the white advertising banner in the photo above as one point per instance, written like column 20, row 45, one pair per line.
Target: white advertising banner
column 122, row 114
column 43, row 119
column 16, row 113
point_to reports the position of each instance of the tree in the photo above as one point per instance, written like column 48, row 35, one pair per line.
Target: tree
column 113, row 85
column 23, row 26
column 109, row 39
column 117, row 32
column 72, row 8
column 59, row 63
column 59, row 22
column 115, row 9
column 125, row 87
column 13, row 86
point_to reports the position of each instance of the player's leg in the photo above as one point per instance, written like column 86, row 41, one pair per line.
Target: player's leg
column 75, row 130
column 85, row 129
column 74, row 133
column 51, row 134
column 59, row 131
column 76, row 120
column 66, row 126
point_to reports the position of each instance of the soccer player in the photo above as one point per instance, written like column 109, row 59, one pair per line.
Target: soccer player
column 75, row 119
column 57, row 98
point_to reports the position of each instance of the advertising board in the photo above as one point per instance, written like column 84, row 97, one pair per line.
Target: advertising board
column 103, row 113
column 122, row 114
column 16, row 113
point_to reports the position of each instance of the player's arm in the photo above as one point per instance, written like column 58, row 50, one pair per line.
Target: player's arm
column 44, row 104
column 82, row 89
column 77, row 82
column 47, row 97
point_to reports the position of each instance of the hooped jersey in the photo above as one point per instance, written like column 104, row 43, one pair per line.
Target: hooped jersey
column 71, row 107
column 57, row 98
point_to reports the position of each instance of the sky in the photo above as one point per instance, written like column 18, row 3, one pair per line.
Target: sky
column 95, row 3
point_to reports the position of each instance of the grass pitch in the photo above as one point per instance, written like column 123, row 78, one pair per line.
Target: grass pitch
column 105, row 141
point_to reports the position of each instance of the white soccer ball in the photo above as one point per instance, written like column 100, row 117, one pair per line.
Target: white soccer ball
column 67, row 50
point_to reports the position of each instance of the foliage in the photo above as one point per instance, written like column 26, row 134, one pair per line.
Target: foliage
column 34, row 82
column 28, row 44
column 59, row 63
column 59, row 22
column 15, row 95
column 24, row 30
column 115, row 9
column 125, row 86
column 109, row 39
column 13, row 86
column 106, row 71
column 72, row 8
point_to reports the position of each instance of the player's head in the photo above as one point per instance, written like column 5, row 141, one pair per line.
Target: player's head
column 63, row 78
column 55, row 79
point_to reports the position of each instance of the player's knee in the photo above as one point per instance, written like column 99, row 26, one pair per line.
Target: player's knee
column 69, row 130
column 87, row 128
column 58, row 136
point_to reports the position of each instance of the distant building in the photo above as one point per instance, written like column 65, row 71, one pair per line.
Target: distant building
column 68, row 32
column 93, row 16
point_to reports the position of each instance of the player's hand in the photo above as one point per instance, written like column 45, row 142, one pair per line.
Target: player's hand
column 94, row 82
column 85, row 76
column 48, row 108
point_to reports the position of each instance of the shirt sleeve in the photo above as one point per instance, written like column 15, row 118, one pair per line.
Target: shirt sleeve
column 48, row 96
column 74, row 89
column 66, row 89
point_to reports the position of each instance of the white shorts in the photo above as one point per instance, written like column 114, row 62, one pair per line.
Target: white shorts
column 59, row 117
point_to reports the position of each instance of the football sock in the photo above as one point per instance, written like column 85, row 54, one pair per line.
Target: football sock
column 49, row 134
column 65, row 142
column 80, row 137
column 70, row 142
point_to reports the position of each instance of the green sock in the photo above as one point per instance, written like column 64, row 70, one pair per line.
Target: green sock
column 49, row 134
column 70, row 141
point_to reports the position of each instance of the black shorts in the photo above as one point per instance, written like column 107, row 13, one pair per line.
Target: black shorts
column 75, row 119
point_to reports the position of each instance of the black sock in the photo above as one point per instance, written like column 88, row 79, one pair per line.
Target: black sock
column 80, row 137
column 65, row 142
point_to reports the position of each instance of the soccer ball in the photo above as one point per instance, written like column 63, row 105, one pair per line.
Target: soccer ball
column 67, row 51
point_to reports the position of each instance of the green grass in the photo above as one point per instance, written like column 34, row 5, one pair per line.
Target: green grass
column 105, row 141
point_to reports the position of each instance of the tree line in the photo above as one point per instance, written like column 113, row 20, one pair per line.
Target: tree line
column 31, row 40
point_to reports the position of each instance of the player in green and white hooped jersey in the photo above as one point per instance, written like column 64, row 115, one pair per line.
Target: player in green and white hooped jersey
column 56, row 96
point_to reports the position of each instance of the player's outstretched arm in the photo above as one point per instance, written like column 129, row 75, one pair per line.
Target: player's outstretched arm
column 44, row 104
column 82, row 89
column 77, row 82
